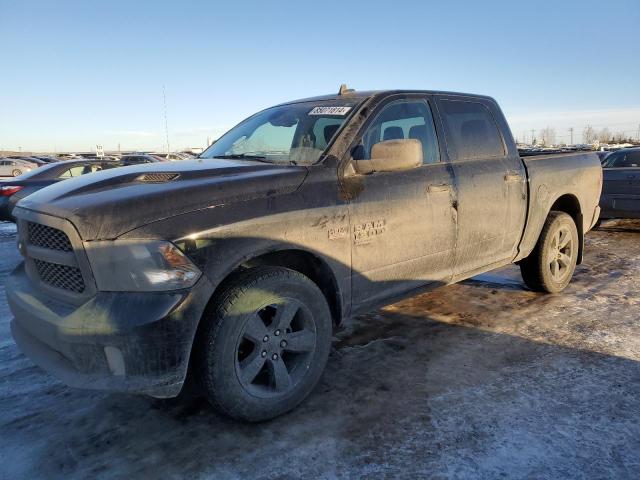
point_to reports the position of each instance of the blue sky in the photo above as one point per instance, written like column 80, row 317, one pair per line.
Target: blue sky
column 77, row 73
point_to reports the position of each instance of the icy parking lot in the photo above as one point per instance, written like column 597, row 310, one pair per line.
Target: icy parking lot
column 478, row 380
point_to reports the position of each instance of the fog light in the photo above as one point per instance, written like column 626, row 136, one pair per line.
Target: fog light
column 115, row 360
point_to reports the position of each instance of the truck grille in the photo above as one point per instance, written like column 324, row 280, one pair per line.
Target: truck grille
column 55, row 262
column 60, row 276
column 48, row 237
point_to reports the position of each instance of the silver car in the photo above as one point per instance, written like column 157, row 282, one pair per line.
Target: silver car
column 10, row 167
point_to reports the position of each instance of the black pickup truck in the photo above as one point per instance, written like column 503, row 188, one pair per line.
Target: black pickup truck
column 235, row 267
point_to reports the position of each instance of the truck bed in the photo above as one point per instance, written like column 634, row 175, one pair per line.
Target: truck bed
column 560, row 177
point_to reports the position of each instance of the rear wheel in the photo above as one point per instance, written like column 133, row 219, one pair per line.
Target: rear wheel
column 265, row 344
column 550, row 266
column 16, row 172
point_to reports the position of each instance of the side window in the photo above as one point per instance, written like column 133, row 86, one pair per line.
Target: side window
column 398, row 120
column 472, row 132
column 324, row 129
column 90, row 169
column 72, row 172
column 632, row 159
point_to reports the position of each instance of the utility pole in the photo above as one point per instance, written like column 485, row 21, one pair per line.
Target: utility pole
column 166, row 125
column 571, row 132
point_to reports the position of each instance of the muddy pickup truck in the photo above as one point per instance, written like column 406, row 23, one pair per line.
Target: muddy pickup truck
column 234, row 268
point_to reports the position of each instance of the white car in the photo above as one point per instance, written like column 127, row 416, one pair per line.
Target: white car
column 173, row 157
column 10, row 167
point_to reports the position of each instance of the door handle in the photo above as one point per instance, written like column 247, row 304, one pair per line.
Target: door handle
column 631, row 177
column 512, row 177
column 440, row 187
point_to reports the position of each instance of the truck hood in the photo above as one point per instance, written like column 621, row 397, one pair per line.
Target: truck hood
column 107, row 204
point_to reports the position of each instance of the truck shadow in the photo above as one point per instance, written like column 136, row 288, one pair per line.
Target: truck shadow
column 438, row 380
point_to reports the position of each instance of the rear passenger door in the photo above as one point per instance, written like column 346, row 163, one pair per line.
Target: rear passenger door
column 490, row 181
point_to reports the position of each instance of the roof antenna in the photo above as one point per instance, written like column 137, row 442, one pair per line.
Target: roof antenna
column 344, row 90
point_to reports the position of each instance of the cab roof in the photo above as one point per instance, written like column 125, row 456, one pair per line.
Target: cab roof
column 361, row 95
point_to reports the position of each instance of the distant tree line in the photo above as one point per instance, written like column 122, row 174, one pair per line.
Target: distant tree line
column 548, row 137
column 591, row 135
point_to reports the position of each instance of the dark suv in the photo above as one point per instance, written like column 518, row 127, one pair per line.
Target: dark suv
column 621, row 188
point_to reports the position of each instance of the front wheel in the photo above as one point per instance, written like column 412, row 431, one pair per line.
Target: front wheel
column 265, row 344
column 550, row 266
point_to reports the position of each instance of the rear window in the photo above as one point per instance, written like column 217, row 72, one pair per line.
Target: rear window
column 472, row 132
column 623, row 159
column 633, row 159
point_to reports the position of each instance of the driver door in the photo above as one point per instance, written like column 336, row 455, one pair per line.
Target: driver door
column 403, row 225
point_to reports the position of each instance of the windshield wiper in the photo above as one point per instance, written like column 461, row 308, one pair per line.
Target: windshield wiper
column 244, row 156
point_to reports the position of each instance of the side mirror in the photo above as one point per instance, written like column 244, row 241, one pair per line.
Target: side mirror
column 392, row 155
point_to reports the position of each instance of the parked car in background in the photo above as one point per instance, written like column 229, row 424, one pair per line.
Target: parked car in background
column 104, row 158
column 172, row 157
column 11, row 167
column 140, row 158
column 35, row 160
column 47, row 159
column 13, row 191
column 68, row 156
column 621, row 186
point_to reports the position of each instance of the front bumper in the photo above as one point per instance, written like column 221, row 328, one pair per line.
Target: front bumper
column 118, row 341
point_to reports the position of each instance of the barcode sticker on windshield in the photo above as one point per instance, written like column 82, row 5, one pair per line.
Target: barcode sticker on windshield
column 330, row 111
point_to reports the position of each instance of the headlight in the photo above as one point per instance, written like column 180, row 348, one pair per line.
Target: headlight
column 128, row 266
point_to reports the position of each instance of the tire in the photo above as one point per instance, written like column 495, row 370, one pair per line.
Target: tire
column 264, row 344
column 597, row 225
column 549, row 268
column 16, row 172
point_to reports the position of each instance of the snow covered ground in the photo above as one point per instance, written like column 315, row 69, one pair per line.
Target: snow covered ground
column 478, row 380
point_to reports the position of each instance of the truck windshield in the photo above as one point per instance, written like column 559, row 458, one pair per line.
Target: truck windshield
column 289, row 134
